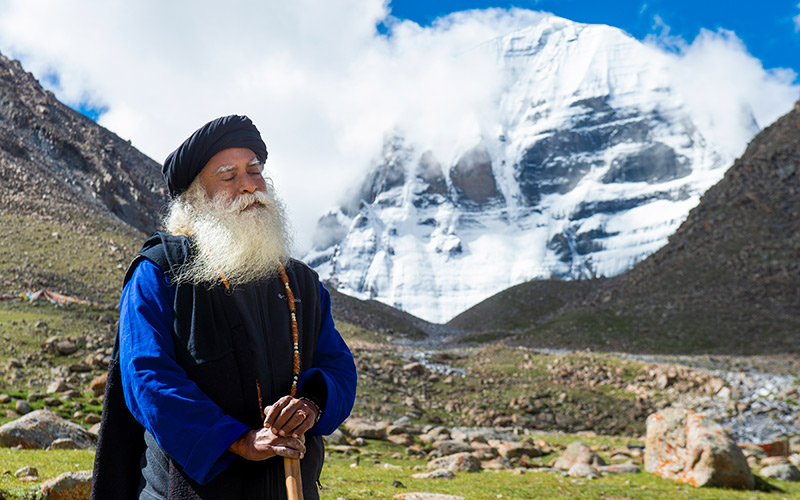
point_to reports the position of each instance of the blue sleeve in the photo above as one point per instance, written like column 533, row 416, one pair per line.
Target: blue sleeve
column 333, row 363
column 190, row 427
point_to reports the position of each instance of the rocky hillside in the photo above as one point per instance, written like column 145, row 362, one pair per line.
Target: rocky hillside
column 56, row 162
column 727, row 282
column 75, row 200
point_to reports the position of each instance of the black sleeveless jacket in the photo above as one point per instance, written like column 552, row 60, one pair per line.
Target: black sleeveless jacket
column 210, row 344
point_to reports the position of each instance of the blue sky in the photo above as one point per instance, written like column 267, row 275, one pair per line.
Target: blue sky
column 770, row 29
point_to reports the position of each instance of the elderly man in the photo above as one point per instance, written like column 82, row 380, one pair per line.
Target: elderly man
column 227, row 358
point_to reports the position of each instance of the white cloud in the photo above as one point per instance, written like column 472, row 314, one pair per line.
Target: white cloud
column 797, row 20
column 728, row 91
column 322, row 85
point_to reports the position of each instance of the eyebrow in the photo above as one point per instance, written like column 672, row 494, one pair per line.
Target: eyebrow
column 227, row 168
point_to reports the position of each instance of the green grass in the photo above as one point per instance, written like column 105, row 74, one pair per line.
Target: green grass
column 87, row 261
column 371, row 479
column 49, row 464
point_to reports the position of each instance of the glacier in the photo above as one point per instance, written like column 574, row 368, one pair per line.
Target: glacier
column 594, row 160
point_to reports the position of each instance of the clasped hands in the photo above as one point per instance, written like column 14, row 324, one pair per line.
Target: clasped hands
column 285, row 424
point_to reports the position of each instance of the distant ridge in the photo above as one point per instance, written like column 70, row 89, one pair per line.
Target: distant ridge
column 728, row 281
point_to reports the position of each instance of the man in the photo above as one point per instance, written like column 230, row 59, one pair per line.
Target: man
column 226, row 359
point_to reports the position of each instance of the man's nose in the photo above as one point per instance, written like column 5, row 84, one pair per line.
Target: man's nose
column 247, row 185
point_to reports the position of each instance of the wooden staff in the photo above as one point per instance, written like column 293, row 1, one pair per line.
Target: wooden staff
column 294, row 482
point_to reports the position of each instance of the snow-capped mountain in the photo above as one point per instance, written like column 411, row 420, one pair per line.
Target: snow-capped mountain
column 594, row 162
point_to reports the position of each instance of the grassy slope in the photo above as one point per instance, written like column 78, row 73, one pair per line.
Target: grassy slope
column 382, row 463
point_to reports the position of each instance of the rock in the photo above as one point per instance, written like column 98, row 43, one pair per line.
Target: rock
column 401, row 439
column 619, row 469
column 66, row 347
column 64, row 444
column 360, row 428
column 22, row 407
column 437, row 433
column 337, row 437
column 68, row 486
column 27, row 472
column 4, row 398
column 426, row 496
column 584, row 471
column 779, row 448
column 57, row 386
column 38, row 429
column 687, row 447
column 767, row 461
column 463, row 462
column 95, row 430
column 93, row 418
column 449, row 447
column 781, row 472
column 414, row 368
column 578, row 453
column 517, row 450
column 435, row 474
column 499, row 463
column 80, row 368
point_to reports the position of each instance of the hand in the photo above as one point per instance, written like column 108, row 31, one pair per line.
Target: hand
column 261, row 444
column 290, row 417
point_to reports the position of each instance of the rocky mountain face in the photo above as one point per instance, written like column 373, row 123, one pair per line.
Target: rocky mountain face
column 593, row 163
column 55, row 162
column 727, row 282
column 76, row 201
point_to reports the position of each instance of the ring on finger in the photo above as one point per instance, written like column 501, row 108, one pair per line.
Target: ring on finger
column 302, row 414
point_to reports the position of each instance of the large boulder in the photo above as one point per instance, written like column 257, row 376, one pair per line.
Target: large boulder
column 38, row 430
column 690, row 448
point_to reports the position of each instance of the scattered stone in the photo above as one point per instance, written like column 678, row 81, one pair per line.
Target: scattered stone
column 4, row 398
column 66, row 347
column 68, row 486
column 620, row 469
column 57, row 386
column 517, row 450
column 27, row 472
column 337, row 437
column 578, row 453
column 64, row 444
column 414, row 368
column 426, row 496
column 459, row 462
column 435, row 474
column 781, row 472
column 767, row 461
column 584, row 471
column 80, row 368
column 38, row 429
column 360, row 428
column 398, row 484
column 690, row 448
column 401, row 439
column 13, row 363
column 449, row 447
column 22, row 407
column 92, row 418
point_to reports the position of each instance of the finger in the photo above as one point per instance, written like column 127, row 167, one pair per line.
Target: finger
column 273, row 411
column 284, row 451
column 286, row 414
column 298, row 419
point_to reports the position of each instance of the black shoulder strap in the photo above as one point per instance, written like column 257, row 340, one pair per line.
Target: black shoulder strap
column 166, row 251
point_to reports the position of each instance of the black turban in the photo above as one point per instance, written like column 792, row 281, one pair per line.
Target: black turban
column 185, row 163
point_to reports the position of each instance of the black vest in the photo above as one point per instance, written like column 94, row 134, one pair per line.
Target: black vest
column 212, row 346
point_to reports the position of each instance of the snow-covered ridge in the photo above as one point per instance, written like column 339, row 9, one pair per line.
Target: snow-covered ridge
column 593, row 162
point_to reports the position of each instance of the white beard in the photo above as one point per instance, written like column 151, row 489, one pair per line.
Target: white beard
column 242, row 245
